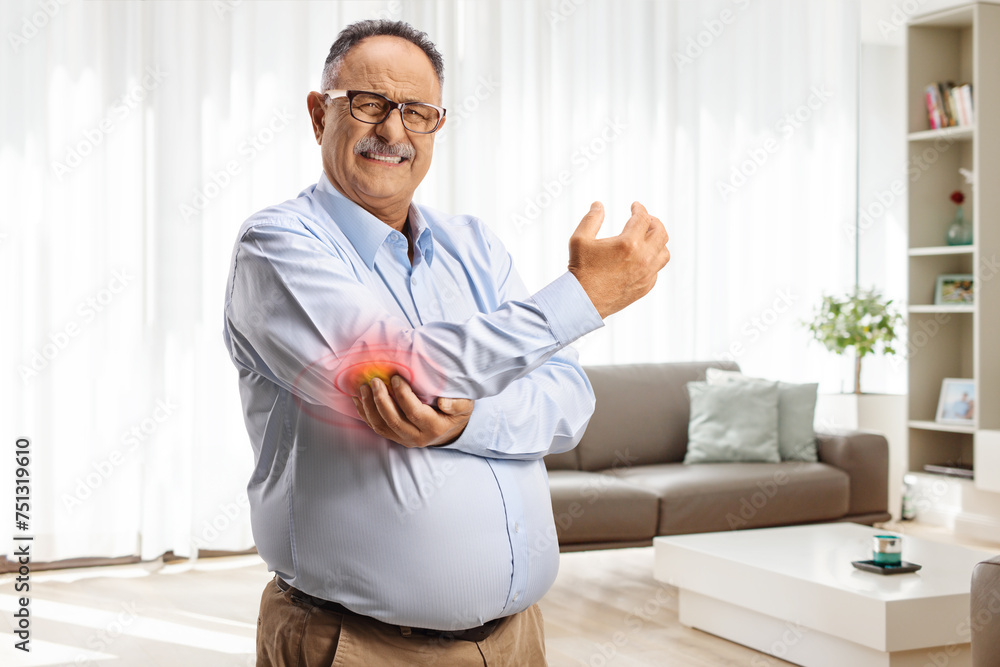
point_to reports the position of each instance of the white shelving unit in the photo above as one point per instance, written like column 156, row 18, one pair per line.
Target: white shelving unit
column 942, row 249
column 966, row 132
column 959, row 45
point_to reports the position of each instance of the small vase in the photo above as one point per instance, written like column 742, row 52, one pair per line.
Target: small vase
column 960, row 229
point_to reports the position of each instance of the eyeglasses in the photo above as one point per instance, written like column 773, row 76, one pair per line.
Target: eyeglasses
column 373, row 108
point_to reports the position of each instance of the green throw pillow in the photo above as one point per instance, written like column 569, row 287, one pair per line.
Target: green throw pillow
column 733, row 422
column 796, row 413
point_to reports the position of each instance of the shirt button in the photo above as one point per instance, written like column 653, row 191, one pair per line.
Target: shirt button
column 516, row 596
column 517, row 528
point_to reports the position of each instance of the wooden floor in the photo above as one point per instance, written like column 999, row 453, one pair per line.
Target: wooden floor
column 605, row 610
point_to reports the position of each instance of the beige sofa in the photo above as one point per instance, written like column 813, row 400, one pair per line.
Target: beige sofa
column 625, row 482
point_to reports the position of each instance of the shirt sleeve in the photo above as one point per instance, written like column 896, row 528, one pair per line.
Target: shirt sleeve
column 298, row 315
column 543, row 412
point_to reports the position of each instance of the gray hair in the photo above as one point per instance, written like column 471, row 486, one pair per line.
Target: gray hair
column 353, row 34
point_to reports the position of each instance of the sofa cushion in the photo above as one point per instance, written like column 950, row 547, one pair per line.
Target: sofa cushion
column 726, row 496
column 796, row 413
column 733, row 422
column 641, row 415
column 591, row 507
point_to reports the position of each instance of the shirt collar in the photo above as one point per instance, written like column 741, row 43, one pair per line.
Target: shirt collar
column 366, row 232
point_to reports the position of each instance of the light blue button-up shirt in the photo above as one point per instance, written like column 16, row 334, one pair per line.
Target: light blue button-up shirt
column 319, row 292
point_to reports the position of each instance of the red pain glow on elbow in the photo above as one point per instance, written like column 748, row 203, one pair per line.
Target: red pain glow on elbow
column 342, row 375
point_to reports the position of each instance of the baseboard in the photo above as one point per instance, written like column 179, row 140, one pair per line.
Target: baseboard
column 956, row 505
column 977, row 527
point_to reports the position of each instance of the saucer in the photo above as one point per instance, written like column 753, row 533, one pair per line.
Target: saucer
column 879, row 568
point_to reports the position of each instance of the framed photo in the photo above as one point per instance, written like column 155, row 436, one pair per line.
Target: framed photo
column 957, row 404
column 954, row 289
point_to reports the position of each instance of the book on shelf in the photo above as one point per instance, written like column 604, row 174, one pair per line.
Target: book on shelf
column 949, row 105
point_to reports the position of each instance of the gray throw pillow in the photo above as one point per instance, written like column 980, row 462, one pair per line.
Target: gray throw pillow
column 733, row 422
column 796, row 414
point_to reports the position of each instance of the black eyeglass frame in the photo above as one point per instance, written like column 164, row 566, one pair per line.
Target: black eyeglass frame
column 351, row 94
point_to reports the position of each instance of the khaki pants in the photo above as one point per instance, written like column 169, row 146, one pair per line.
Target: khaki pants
column 293, row 633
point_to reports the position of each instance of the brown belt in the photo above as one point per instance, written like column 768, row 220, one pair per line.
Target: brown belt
column 476, row 634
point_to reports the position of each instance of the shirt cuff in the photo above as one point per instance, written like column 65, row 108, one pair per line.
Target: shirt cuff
column 479, row 434
column 568, row 310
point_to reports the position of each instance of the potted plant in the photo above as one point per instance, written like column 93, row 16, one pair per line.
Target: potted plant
column 866, row 323
column 862, row 321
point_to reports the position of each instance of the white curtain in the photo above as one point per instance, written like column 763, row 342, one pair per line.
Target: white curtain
column 135, row 137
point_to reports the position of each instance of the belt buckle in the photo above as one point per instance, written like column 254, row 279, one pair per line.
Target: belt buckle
column 478, row 634
column 474, row 635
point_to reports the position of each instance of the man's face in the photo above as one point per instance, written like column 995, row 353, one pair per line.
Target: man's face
column 400, row 71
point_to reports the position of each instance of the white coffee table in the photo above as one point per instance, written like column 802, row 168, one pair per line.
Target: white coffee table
column 793, row 593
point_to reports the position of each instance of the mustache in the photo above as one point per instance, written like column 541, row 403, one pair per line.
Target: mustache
column 373, row 144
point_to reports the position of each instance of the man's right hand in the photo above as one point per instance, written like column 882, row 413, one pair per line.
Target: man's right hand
column 401, row 417
column 620, row 270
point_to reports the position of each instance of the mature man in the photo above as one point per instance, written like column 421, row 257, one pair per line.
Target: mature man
column 405, row 528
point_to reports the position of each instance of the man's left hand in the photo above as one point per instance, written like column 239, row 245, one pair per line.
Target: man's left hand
column 401, row 417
